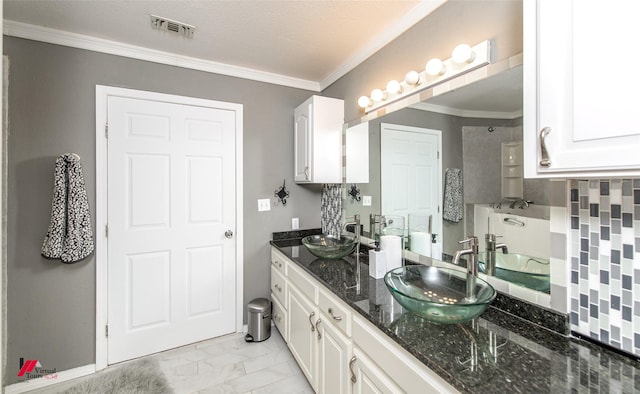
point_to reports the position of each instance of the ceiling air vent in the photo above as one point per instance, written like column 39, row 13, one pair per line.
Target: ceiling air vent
column 160, row 23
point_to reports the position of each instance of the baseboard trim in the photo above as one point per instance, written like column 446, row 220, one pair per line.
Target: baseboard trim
column 62, row 376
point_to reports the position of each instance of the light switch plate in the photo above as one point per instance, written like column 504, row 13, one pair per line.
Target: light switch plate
column 264, row 204
column 366, row 201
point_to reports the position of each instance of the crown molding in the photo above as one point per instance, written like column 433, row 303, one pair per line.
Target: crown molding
column 74, row 40
column 466, row 113
column 412, row 17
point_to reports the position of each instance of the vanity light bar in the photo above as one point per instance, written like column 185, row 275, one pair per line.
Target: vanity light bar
column 464, row 59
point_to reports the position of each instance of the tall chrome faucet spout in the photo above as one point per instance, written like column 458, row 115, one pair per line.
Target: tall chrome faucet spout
column 472, row 265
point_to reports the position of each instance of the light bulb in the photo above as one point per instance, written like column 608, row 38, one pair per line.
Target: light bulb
column 377, row 95
column 435, row 67
column 364, row 101
column 394, row 87
column 412, row 78
column 463, row 54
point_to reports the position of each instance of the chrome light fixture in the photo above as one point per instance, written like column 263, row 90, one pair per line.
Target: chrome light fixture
column 464, row 58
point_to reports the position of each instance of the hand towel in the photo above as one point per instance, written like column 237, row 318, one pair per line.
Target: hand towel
column 453, row 203
column 70, row 235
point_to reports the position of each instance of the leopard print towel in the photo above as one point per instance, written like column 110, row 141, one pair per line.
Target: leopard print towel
column 70, row 235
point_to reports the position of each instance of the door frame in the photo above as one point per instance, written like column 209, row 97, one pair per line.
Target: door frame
column 102, row 95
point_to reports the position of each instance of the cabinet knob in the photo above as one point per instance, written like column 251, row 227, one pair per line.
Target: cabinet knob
column 545, row 161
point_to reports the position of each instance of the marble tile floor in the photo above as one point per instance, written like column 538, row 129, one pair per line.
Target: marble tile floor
column 228, row 365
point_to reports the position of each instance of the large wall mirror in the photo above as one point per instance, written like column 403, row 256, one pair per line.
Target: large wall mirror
column 475, row 132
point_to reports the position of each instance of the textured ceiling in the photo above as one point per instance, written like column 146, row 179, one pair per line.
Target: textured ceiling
column 308, row 40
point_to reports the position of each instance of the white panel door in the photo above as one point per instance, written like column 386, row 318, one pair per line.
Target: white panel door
column 411, row 171
column 171, row 198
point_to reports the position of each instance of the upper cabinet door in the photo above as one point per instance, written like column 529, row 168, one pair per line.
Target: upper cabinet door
column 318, row 140
column 302, row 141
column 581, row 78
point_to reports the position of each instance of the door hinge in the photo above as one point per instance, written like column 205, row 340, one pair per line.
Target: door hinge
column 438, row 156
column 106, row 230
column 106, row 330
column 438, row 208
column 106, row 130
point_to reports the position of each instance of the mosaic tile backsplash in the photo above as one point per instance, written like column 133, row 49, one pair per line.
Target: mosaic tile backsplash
column 605, row 261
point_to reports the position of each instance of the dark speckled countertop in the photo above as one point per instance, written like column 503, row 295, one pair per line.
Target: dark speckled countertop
column 496, row 352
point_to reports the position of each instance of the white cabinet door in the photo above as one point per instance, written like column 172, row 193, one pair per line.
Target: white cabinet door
column 302, row 320
column 318, row 140
column 369, row 378
column 334, row 352
column 302, row 143
column 580, row 77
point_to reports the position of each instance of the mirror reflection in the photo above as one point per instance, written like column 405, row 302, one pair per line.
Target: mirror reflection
column 451, row 166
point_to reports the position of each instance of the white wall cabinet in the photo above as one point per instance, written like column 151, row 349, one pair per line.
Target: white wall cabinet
column 318, row 140
column 580, row 78
column 327, row 339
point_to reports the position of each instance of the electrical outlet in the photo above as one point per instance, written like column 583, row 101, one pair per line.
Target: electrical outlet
column 295, row 224
column 366, row 201
column 264, row 204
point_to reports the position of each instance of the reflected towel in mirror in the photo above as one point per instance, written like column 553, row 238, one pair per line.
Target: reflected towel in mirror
column 453, row 203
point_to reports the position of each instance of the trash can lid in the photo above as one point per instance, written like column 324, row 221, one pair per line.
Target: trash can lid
column 259, row 305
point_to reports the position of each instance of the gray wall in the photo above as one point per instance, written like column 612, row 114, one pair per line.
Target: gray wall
column 51, row 306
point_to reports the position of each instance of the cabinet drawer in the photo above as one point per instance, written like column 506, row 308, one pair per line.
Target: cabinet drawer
column 303, row 282
column 407, row 371
column 278, row 262
column 336, row 311
column 279, row 315
column 278, row 286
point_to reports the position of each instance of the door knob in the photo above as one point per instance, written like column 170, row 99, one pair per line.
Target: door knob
column 228, row 234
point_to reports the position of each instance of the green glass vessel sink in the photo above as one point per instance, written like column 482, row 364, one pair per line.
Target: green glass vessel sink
column 438, row 294
column 329, row 247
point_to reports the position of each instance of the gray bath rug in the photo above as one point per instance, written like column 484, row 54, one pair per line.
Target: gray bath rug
column 142, row 376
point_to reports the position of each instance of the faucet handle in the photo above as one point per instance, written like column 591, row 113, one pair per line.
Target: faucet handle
column 472, row 241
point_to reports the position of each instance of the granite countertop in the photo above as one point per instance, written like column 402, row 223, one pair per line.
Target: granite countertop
column 496, row 352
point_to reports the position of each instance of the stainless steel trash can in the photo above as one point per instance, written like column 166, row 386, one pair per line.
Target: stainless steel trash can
column 259, row 320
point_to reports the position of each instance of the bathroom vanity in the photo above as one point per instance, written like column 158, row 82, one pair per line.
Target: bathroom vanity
column 349, row 335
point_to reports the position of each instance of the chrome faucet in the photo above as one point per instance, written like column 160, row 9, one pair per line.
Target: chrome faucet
column 490, row 248
column 355, row 220
column 356, row 223
column 472, row 265
column 376, row 221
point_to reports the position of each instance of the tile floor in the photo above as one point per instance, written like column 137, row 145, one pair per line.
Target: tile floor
column 228, row 365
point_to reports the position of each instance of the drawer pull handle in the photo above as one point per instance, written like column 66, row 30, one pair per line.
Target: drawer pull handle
column 277, row 317
column 544, row 162
column 277, row 263
column 278, row 288
column 317, row 329
column 353, row 374
column 338, row 318
column 310, row 322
